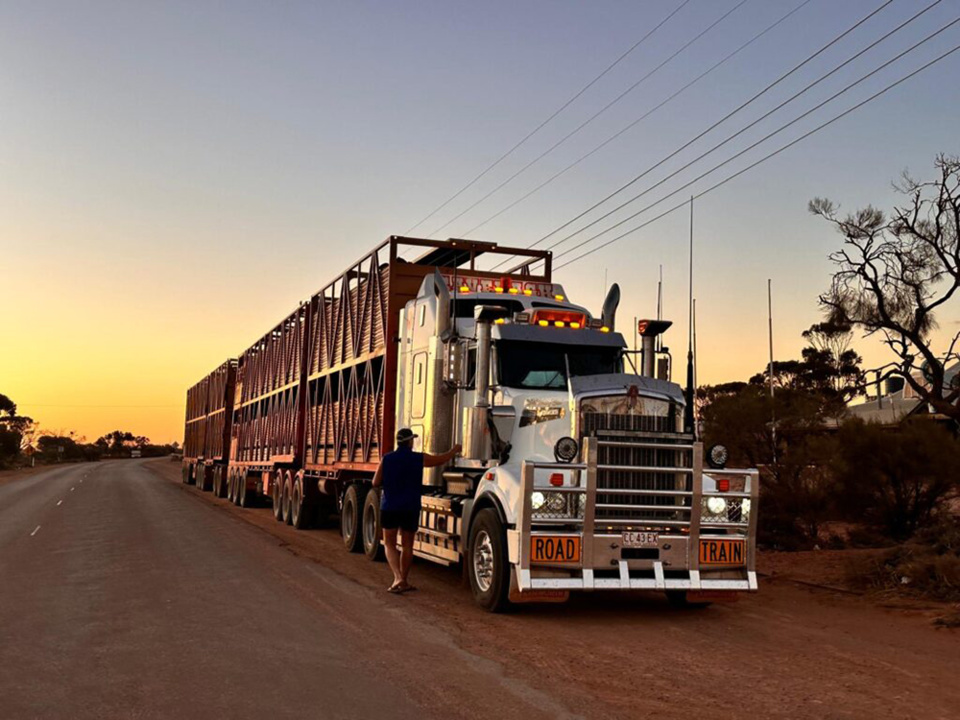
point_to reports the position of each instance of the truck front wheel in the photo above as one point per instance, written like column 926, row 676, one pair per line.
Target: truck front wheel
column 487, row 562
column 351, row 519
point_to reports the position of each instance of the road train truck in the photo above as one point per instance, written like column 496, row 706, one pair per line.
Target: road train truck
column 578, row 470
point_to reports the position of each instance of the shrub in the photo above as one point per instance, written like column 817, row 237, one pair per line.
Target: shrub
column 896, row 479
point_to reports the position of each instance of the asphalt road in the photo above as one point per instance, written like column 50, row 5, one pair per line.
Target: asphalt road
column 123, row 597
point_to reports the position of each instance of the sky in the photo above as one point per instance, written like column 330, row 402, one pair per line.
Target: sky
column 175, row 177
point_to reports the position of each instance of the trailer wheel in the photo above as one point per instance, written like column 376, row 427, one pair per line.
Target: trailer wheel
column 203, row 481
column 301, row 509
column 487, row 562
column 244, row 496
column 187, row 474
column 276, row 497
column 350, row 517
column 372, row 531
column 219, row 483
column 231, row 485
column 285, row 499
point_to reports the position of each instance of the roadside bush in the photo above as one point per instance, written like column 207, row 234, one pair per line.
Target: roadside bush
column 928, row 566
column 896, row 480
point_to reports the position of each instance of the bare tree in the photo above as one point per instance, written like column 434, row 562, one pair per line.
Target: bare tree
column 894, row 274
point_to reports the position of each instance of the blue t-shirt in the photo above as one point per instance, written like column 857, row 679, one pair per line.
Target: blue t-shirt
column 402, row 476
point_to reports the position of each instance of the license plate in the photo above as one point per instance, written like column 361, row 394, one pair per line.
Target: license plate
column 632, row 539
column 555, row 549
column 722, row 552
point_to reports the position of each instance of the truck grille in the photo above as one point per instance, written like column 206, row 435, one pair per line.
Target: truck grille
column 640, row 441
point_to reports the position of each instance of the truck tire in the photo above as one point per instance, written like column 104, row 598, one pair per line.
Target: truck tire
column 301, row 508
column 219, row 483
column 231, row 485
column 285, row 498
column 488, row 565
column 372, row 532
column 276, row 497
column 351, row 520
column 187, row 475
column 678, row 598
column 244, row 496
column 236, row 487
column 203, row 484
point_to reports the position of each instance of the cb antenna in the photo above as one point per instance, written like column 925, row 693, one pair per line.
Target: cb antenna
column 660, row 307
column 688, row 424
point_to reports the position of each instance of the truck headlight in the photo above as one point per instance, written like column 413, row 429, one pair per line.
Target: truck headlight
column 716, row 505
column 556, row 505
column 537, row 500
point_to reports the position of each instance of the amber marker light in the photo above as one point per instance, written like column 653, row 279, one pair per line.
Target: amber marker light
column 528, row 292
column 514, row 291
column 575, row 325
column 560, row 323
column 498, row 289
column 464, row 288
column 559, row 297
column 543, row 323
column 499, row 321
column 604, row 329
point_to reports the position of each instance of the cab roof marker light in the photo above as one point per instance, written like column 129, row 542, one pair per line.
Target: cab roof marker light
column 514, row 291
column 464, row 288
column 575, row 325
column 559, row 297
column 604, row 328
column 499, row 321
column 528, row 292
column 559, row 323
column 543, row 323
column 498, row 289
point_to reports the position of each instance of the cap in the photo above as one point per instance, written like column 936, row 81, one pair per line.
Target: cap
column 405, row 434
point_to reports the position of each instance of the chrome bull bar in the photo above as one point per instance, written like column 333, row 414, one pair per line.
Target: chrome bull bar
column 675, row 568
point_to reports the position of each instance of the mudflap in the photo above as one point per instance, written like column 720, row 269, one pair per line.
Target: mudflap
column 534, row 596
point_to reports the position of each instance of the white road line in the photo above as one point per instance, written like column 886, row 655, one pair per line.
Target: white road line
column 35, row 531
column 59, row 502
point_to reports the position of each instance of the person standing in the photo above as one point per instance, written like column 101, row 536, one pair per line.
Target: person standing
column 400, row 475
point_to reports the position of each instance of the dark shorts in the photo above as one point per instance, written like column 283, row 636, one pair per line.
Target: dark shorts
column 408, row 520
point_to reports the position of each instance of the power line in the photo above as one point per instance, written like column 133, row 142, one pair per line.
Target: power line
column 776, row 152
column 551, row 117
column 589, row 120
column 61, row 405
column 639, row 119
column 726, row 117
column 764, row 117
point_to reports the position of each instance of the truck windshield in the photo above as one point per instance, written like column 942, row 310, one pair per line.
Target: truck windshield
column 542, row 366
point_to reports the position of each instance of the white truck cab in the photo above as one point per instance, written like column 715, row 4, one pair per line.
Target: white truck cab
column 577, row 472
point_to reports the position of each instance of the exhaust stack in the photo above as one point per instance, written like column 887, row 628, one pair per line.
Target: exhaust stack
column 610, row 304
column 649, row 331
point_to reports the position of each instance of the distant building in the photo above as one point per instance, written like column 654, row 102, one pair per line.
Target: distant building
column 898, row 401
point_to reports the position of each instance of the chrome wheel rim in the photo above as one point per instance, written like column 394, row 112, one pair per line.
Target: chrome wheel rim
column 483, row 563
